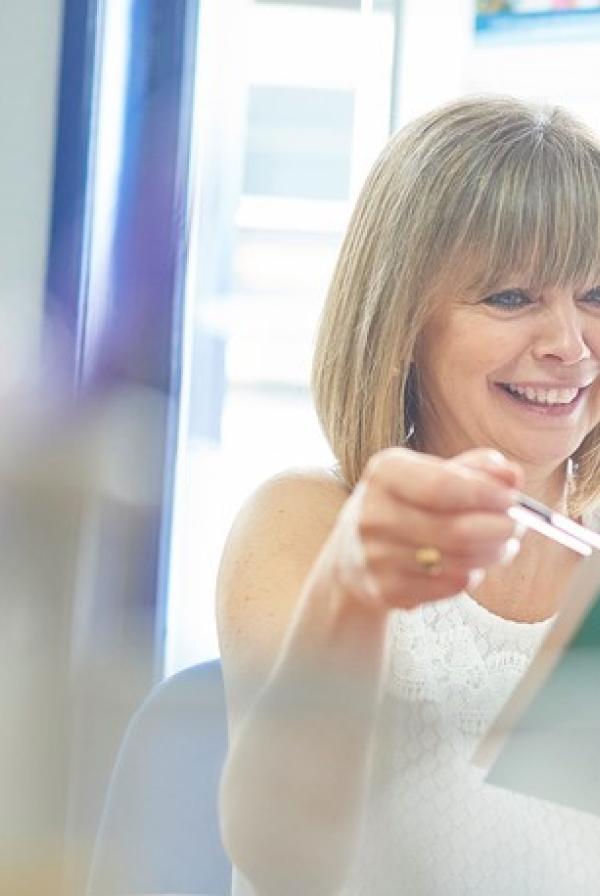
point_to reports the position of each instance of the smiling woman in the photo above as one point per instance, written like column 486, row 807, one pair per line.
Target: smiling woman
column 374, row 618
column 478, row 198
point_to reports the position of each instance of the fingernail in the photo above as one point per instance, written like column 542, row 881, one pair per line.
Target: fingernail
column 520, row 530
column 497, row 458
column 511, row 549
column 476, row 577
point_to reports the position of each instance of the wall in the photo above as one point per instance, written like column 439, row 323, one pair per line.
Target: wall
column 435, row 49
column 565, row 72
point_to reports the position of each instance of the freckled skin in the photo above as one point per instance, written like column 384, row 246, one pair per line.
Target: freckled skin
column 470, row 344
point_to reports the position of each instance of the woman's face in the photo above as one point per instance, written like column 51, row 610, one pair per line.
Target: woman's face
column 477, row 352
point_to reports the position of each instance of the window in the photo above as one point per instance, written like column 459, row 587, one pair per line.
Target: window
column 284, row 140
column 299, row 142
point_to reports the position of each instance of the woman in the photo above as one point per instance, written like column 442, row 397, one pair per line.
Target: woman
column 374, row 619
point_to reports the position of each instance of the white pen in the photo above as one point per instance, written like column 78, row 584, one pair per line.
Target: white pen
column 548, row 522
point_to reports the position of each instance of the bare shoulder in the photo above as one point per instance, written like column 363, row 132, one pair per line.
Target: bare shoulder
column 274, row 540
column 273, row 543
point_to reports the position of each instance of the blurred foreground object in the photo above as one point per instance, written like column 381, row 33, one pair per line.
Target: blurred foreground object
column 63, row 469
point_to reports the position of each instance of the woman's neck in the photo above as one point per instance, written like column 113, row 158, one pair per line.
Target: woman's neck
column 530, row 589
column 552, row 489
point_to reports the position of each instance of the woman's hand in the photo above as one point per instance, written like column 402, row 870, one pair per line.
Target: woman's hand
column 405, row 501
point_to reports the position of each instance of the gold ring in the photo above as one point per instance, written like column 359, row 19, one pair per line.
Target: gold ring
column 430, row 560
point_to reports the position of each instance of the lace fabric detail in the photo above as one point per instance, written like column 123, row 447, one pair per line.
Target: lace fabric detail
column 433, row 825
column 458, row 656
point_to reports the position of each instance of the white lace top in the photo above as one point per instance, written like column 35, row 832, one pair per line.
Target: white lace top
column 433, row 827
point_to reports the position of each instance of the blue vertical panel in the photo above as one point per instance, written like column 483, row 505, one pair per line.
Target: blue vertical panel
column 143, row 311
column 67, row 266
column 143, row 337
column 150, row 239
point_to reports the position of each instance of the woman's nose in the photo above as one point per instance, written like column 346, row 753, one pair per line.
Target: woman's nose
column 562, row 335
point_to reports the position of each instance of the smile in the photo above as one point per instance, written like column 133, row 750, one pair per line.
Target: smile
column 542, row 396
column 546, row 402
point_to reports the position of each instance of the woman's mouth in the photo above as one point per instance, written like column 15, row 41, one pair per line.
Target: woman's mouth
column 554, row 402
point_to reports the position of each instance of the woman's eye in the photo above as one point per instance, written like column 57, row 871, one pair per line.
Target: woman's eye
column 509, row 298
column 593, row 296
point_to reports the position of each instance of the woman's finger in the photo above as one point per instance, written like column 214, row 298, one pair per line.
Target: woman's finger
column 464, row 535
column 494, row 463
column 381, row 559
column 436, row 485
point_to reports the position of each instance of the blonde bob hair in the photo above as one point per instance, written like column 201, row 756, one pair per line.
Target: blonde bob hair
column 479, row 189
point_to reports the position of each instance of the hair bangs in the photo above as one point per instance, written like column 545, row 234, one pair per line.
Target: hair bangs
column 535, row 217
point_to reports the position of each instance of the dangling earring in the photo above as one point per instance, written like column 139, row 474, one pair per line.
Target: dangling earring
column 410, row 406
column 409, row 435
column 572, row 467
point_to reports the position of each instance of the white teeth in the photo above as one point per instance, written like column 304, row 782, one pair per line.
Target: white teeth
column 545, row 396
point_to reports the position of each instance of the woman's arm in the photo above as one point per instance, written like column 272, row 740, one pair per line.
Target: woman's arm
column 304, row 596
column 291, row 790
